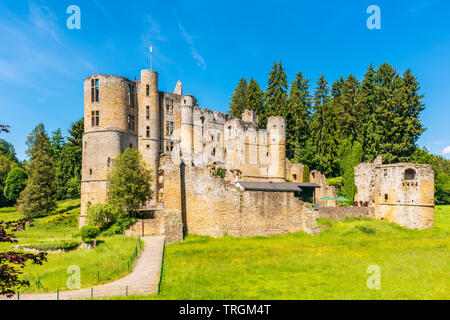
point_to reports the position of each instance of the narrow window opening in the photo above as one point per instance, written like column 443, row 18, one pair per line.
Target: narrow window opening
column 386, row 197
column 147, row 112
column 95, row 118
column 95, row 91
column 147, row 90
column 169, row 128
column 148, row 132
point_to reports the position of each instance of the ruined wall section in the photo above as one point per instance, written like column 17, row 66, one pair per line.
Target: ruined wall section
column 404, row 194
column 213, row 206
column 325, row 189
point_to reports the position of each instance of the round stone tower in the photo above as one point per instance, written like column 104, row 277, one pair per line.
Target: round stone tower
column 149, row 123
column 109, row 113
column 276, row 129
column 187, row 128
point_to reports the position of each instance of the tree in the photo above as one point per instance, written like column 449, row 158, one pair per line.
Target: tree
column 350, row 160
column 254, row 97
column 298, row 116
column 9, row 274
column 275, row 97
column 306, row 173
column 76, row 132
column 39, row 196
column 6, row 165
column 14, row 185
column 7, row 150
column 239, row 99
column 129, row 182
column 4, row 128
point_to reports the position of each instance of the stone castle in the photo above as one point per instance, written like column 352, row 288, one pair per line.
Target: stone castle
column 259, row 192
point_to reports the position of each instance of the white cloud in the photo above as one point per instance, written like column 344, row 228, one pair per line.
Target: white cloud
column 200, row 61
column 446, row 150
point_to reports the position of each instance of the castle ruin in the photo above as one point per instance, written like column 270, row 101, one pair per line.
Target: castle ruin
column 258, row 191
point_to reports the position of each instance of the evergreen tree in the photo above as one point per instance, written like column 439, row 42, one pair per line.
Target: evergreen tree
column 254, row 97
column 6, row 165
column 298, row 116
column 306, row 173
column 275, row 97
column 76, row 133
column 367, row 98
column 7, row 150
column 350, row 161
column 39, row 196
column 349, row 111
column 321, row 98
column 239, row 99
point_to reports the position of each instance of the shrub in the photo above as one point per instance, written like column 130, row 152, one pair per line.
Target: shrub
column 218, row 173
column 338, row 183
column 62, row 245
column 89, row 233
column 100, row 215
column 62, row 219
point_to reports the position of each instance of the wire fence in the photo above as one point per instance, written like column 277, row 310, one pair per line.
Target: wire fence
column 98, row 278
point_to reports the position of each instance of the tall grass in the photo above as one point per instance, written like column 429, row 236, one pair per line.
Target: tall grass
column 414, row 264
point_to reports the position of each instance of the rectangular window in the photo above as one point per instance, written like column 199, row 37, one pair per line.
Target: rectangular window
column 148, row 132
column 95, row 92
column 386, row 197
column 169, row 128
column 131, row 123
column 169, row 146
column 169, row 106
column 147, row 112
column 131, row 95
column 147, row 90
column 95, row 118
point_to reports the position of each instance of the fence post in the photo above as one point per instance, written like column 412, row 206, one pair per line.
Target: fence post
column 92, row 293
column 38, row 283
column 98, row 276
column 18, row 295
column 57, row 294
column 126, row 293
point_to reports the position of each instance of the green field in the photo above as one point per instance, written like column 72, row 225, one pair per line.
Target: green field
column 414, row 264
column 333, row 265
column 109, row 260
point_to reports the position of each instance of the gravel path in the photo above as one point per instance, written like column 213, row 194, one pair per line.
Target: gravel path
column 142, row 280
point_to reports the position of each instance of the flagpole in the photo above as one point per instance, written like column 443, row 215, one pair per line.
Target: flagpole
column 151, row 55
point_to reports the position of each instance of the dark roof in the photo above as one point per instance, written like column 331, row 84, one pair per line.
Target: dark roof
column 268, row 186
column 275, row 186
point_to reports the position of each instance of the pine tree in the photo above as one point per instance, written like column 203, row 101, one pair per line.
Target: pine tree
column 39, row 196
column 350, row 160
column 367, row 98
column 254, row 97
column 321, row 98
column 275, row 97
column 239, row 99
column 349, row 111
column 298, row 116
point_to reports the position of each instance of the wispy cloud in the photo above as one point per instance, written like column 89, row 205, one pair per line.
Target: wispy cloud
column 446, row 150
column 187, row 37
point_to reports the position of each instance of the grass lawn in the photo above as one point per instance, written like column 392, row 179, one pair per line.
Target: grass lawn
column 333, row 265
column 110, row 260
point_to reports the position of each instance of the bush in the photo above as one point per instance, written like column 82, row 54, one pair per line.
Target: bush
column 338, row 183
column 218, row 173
column 306, row 173
column 100, row 215
column 89, row 233
column 62, row 219
column 62, row 245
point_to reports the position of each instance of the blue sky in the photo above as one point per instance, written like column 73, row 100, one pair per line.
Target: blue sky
column 209, row 46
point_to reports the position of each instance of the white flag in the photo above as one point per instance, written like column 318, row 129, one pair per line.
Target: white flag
column 151, row 48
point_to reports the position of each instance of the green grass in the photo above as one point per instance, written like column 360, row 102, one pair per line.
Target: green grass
column 110, row 260
column 333, row 265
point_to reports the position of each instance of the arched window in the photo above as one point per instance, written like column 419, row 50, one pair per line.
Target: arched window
column 410, row 174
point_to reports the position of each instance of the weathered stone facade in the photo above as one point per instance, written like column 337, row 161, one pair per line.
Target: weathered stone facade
column 402, row 193
column 184, row 145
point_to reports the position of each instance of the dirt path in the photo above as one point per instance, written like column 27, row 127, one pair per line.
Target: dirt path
column 142, row 280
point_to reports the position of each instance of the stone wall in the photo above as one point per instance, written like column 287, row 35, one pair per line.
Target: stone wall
column 402, row 193
column 167, row 223
column 213, row 206
column 340, row 213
